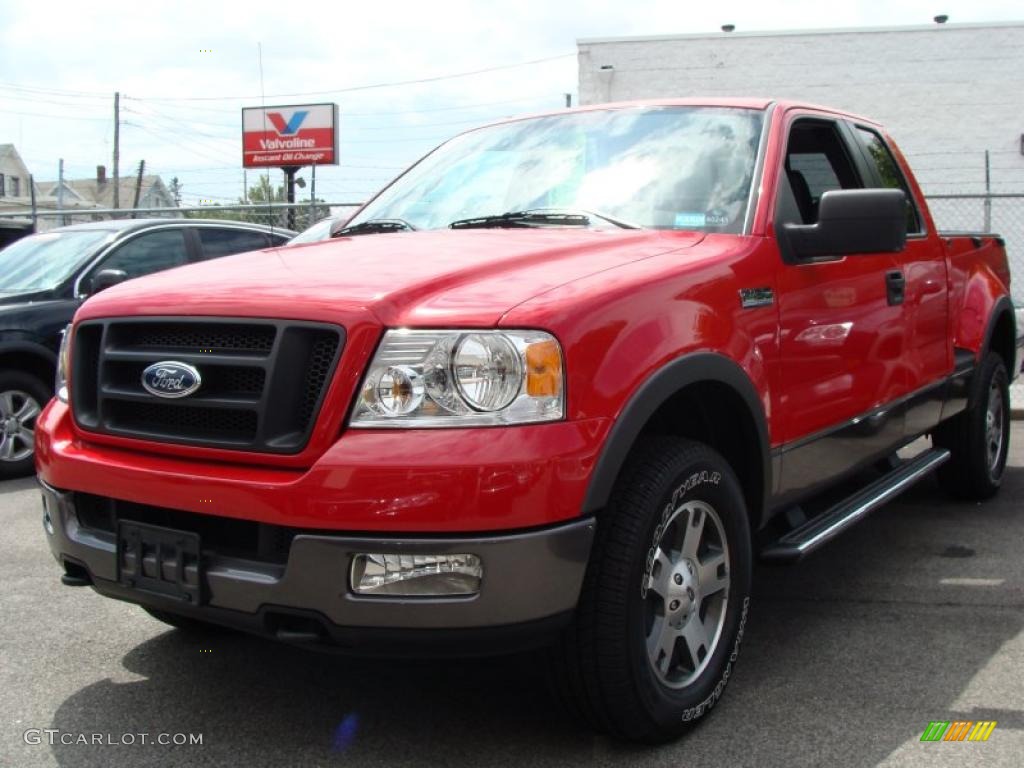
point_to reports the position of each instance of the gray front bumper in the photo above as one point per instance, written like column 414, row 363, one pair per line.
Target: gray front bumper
column 528, row 577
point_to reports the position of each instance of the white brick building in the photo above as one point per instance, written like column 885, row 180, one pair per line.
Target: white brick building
column 946, row 92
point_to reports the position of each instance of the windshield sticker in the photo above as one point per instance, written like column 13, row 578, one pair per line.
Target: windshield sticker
column 690, row 220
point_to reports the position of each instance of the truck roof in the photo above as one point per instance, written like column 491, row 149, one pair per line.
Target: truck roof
column 748, row 102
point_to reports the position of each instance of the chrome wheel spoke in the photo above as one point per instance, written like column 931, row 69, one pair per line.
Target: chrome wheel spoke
column 694, row 532
column 661, row 574
column 696, row 636
column 6, row 405
column 7, row 448
column 28, row 411
column 661, row 644
column 714, row 574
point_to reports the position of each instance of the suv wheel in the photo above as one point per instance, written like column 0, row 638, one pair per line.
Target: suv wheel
column 664, row 603
column 978, row 439
column 22, row 397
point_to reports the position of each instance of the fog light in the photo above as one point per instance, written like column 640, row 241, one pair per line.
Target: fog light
column 416, row 575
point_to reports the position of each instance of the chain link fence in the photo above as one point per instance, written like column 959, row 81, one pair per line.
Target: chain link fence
column 294, row 216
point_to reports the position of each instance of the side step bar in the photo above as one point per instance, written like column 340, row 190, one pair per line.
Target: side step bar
column 826, row 526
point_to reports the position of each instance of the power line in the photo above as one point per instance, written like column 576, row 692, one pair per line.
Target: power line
column 56, row 91
column 351, row 89
column 56, row 117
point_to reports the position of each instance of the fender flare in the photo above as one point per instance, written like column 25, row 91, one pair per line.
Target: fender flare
column 651, row 395
column 1002, row 305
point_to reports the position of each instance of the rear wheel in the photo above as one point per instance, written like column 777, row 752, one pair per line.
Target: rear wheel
column 978, row 438
column 664, row 603
column 22, row 397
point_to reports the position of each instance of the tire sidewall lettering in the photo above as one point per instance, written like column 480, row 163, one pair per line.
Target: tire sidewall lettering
column 692, row 713
column 703, row 477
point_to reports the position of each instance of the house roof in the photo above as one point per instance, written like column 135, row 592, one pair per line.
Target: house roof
column 103, row 194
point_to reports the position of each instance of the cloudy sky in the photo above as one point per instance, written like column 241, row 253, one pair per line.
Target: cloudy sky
column 184, row 73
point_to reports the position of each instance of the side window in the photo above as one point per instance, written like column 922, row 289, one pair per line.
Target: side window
column 224, row 242
column 816, row 162
column 889, row 173
column 149, row 253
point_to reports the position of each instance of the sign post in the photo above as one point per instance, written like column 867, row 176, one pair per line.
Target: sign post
column 289, row 137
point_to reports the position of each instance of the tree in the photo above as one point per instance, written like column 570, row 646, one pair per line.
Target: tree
column 175, row 190
column 263, row 192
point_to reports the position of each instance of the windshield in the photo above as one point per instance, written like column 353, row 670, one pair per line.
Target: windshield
column 319, row 231
column 660, row 167
column 42, row 262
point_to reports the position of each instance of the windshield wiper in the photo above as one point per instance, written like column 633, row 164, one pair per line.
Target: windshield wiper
column 374, row 227
column 535, row 217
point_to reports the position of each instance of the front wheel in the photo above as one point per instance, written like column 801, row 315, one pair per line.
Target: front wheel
column 22, row 397
column 978, row 438
column 664, row 603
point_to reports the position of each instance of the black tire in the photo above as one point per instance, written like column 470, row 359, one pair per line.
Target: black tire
column 974, row 470
column 601, row 667
column 185, row 623
column 15, row 388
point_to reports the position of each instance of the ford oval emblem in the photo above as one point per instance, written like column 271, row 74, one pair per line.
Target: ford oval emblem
column 171, row 379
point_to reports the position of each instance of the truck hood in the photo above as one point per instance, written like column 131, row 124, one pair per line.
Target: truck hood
column 469, row 277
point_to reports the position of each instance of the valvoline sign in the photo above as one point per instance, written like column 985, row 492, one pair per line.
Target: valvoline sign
column 273, row 137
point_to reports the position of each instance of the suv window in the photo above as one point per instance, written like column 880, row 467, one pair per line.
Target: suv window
column 816, row 162
column 224, row 242
column 148, row 253
column 889, row 173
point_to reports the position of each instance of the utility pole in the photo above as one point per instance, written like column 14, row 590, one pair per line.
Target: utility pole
column 138, row 186
column 312, row 196
column 988, row 193
column 117, row 149
column 245, row 186
column 32, row 191
column 60, row 189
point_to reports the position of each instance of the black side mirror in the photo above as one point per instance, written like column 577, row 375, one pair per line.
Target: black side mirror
column 106, row 278
column 851, row 221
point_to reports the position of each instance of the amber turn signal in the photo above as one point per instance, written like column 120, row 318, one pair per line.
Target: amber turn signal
column 543, row 369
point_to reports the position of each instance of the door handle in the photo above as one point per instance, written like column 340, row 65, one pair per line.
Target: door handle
column 895, row 287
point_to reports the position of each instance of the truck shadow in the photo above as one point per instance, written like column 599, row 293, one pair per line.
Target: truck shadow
column 831, row 655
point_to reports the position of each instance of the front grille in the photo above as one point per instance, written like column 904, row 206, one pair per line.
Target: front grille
column 224, row 339
column 263, row 382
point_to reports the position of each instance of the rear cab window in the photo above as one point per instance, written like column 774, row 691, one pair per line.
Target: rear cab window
column 888, row 173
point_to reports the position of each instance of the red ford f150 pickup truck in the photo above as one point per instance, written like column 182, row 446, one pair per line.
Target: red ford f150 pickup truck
column 556, row 386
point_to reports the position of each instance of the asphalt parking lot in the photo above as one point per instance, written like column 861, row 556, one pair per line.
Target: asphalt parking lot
column 914, row 616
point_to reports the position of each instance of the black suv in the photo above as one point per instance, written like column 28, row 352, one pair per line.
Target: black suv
column 45, row 277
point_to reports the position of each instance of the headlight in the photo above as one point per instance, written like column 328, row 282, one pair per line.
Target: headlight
column 462, row 378
column 63, row 364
